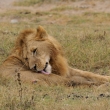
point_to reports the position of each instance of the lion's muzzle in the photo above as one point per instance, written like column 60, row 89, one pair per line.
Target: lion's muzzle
column 45, row 70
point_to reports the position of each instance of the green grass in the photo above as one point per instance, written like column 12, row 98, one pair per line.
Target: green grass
column 34, row 2
column 27, row 2
column 86, row 41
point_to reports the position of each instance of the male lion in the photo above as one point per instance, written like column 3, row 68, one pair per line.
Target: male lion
column 38, row 57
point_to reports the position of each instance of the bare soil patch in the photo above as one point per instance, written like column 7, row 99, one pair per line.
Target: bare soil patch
column 78, row 6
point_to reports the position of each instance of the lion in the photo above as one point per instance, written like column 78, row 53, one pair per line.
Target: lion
column 39, row 57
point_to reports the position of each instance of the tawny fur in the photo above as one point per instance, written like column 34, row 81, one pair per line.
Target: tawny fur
column 20, row 61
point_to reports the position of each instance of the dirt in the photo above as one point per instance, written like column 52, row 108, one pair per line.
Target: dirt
column 70, row 8
column 89, row 6
column 6, row 3
column 79, row 6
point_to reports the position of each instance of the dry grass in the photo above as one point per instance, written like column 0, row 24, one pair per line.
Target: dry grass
column 31, row 97
column 86, row 41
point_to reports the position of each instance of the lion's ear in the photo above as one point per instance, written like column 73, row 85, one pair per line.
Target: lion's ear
column 20, row 40
column 41, row 32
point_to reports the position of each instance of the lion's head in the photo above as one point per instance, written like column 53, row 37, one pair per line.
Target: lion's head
column 38, row 50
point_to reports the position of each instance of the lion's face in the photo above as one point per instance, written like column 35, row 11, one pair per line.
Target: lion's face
column 40, row 52
column 38, row 56
column 36, row 50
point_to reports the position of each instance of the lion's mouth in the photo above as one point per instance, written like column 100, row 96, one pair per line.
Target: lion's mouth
column 43, row 72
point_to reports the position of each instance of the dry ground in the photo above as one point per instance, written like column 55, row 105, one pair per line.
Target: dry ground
column 69, row 7
column 82, row 27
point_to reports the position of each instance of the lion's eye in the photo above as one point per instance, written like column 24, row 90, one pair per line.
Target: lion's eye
column 34, row 52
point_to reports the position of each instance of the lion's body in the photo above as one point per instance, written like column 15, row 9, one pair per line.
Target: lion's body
column 39, row 57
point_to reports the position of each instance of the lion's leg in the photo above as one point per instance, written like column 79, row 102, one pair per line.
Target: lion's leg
column 79, row 80
column 51, row 79
column 85, row 77
column 31, row 77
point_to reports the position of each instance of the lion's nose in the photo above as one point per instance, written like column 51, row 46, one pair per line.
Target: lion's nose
column 34, row 68
column 46, row 63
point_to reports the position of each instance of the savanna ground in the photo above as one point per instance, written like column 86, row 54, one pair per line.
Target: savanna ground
column 82, row 27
